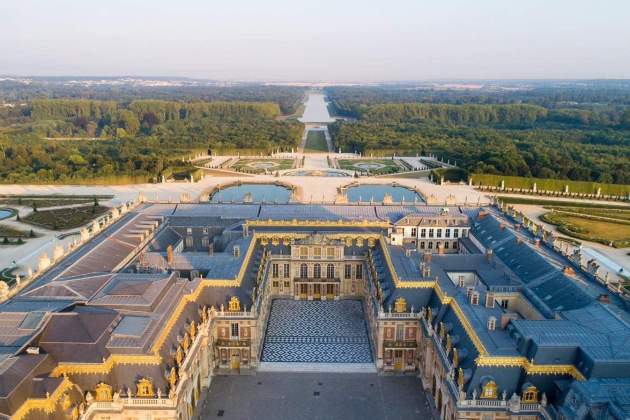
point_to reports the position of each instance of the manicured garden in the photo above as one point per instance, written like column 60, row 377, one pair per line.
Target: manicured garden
column 43, row 201
column 591, row 225
column 260, row 166
column 315, row 142
column 65, row 218
column 372, row 166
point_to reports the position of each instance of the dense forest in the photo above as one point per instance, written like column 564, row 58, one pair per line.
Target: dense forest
column 496, row 133
column 79, row 140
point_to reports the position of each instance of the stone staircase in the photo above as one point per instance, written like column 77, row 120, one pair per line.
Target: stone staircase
column 317, row 367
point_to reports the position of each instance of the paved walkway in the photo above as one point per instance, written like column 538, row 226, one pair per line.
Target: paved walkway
column 314, row 396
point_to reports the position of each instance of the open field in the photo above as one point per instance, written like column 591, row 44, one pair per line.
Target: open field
column 259, row 166
column 558, row 185
column 315, row 142
column 615, row 233
column 65, row 218
column 373, row 166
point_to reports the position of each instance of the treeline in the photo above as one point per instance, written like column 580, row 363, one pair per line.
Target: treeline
column 134, row 141
column 288, row 98
column 584, row 155
column 111, row 119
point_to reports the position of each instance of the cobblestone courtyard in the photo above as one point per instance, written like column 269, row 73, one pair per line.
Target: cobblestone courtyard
column 317, row 332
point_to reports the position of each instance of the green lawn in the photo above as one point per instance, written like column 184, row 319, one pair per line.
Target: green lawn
column 373, row 166
column 540, row 202
column 66, row 218
column 596, row 230
column 315, row 142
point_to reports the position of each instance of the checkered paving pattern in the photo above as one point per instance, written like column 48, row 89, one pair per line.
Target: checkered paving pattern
column 317, row 332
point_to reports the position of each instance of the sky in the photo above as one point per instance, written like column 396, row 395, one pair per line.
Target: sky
column 317, row 40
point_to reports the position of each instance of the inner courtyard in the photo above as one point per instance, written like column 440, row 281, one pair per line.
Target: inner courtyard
column 317, row 332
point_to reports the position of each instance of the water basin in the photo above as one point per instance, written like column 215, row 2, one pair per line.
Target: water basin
column 254, row 193
column 367, row 192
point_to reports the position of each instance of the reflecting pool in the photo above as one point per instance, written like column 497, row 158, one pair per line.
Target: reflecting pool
column 367, row 192
column 253, row 193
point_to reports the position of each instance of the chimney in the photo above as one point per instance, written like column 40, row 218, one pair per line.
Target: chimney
column 169, row 254
column 489, row 255
column 236, row 251
column 603, row 298
column 211, row 248
column 537, row 243
column 568, row 270
column 502, row 226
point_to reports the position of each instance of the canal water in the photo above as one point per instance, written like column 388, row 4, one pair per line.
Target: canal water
column 316, row 110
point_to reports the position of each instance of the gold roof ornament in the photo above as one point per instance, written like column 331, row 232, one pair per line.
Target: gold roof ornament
column 172, row 378
column 179, row 356
column 145, row 388
column 449, row 344
column 400, row 305
column 186, row 342
column 74, row 415
column 489, row 390
column 234, row 305
column 193, row 329
column 460, row 378
column 66, row 402
column 455, row 357
column 429, row 314
column 103, row 392
column 442, row 330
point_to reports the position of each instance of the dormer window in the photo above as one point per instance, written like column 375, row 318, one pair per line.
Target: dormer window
column 490, row 300
column 489, row 390
column 474, row 298
column 492, row 323
column 461, row 281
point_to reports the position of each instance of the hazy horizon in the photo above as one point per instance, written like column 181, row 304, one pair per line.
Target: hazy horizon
column 280, row 41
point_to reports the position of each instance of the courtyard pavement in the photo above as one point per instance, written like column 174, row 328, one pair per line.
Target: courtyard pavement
column 329, row 396
column 317, row 332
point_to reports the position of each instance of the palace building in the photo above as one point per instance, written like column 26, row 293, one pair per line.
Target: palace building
column 137, row 322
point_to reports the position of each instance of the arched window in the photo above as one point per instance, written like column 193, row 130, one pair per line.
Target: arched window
column 303, row 271
column 317, row 271
column 530, row 394
column 330, row 271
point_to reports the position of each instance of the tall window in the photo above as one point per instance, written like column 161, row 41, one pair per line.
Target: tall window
column 330, row 271
column 400, row 333
column 287, row 271
column 448, row 233
column 303, row 271
column 430, row 233
column 347, row 271
column 303, row 252
column 234, row 330
column 358, row 271
column 414, row 232
column 274, row 271
column 317, row 252
column 422, row 245
column 423, row 233
column 330, row 253
column 317, row 271
column 455, row 233
column 439, row 233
